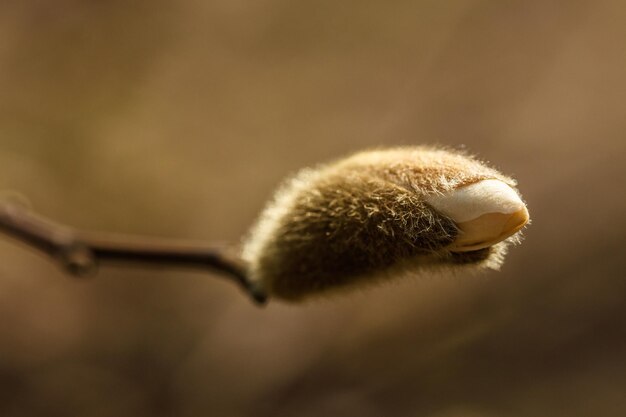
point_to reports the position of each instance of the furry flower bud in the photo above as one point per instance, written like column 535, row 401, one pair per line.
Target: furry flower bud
column 380, row 214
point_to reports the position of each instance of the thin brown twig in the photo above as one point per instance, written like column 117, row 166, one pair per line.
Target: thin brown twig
column 80, row 252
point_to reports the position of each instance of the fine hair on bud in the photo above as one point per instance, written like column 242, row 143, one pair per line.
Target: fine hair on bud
column 364, row 219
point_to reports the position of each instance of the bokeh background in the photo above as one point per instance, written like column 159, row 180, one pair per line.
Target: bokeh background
column 178, row 118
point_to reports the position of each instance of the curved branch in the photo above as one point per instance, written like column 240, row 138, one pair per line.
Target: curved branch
column 80, row 252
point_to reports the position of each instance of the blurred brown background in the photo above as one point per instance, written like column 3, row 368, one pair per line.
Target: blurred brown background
column 179, row 118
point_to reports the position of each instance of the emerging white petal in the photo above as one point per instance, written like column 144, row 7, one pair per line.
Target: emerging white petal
column 486, row 213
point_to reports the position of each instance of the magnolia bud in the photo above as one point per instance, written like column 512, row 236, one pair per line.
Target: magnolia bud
column 379, row 214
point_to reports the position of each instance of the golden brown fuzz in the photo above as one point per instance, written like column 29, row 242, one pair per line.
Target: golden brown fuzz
column 363, row 219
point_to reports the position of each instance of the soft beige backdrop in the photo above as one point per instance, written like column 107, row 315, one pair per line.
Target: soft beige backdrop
column 178, row 118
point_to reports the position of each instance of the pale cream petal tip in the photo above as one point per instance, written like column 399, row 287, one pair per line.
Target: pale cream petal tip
column 486, row 213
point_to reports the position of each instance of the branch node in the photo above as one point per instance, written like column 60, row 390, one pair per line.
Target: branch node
column 78, row 260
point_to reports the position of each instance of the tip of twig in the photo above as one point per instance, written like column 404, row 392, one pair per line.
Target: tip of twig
column 258, row 295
